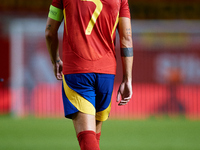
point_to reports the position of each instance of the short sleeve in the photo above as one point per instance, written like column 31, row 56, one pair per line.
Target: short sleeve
column 58, row 4
column 124, row 9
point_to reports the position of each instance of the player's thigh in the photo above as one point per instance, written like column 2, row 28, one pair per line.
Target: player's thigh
column 98, row 126
column 84, row 122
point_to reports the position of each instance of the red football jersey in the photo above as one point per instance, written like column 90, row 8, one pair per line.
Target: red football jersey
column 88, row 42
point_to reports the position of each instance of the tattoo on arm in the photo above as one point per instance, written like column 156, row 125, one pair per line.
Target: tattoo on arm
column 48, row 27
column 128, row 31
column 127, row 52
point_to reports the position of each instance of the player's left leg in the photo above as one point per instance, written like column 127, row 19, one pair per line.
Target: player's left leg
column 85, row 127
column 79, row 105
column 83, row 122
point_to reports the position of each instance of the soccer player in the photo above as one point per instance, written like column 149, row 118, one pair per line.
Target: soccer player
column 88, row 67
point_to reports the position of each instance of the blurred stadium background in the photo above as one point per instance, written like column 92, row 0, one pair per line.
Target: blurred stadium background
column 166, row 81
column 166, row 72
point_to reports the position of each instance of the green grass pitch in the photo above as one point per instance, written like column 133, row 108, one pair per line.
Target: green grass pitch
column 59, row 134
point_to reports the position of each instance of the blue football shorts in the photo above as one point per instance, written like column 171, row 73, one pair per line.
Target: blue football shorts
column 89, row 93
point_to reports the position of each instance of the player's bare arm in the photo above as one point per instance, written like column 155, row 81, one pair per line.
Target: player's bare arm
column 51, row 33
column 52, row 39
column 126, row 47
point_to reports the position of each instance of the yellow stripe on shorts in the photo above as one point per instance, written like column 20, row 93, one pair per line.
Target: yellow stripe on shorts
column 103, row 115
column 82, row 104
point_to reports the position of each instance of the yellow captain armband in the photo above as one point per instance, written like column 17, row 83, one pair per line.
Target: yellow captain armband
column 55, row 13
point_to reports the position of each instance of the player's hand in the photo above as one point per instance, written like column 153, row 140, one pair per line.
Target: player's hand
column 57, row 67
column 124, row 93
